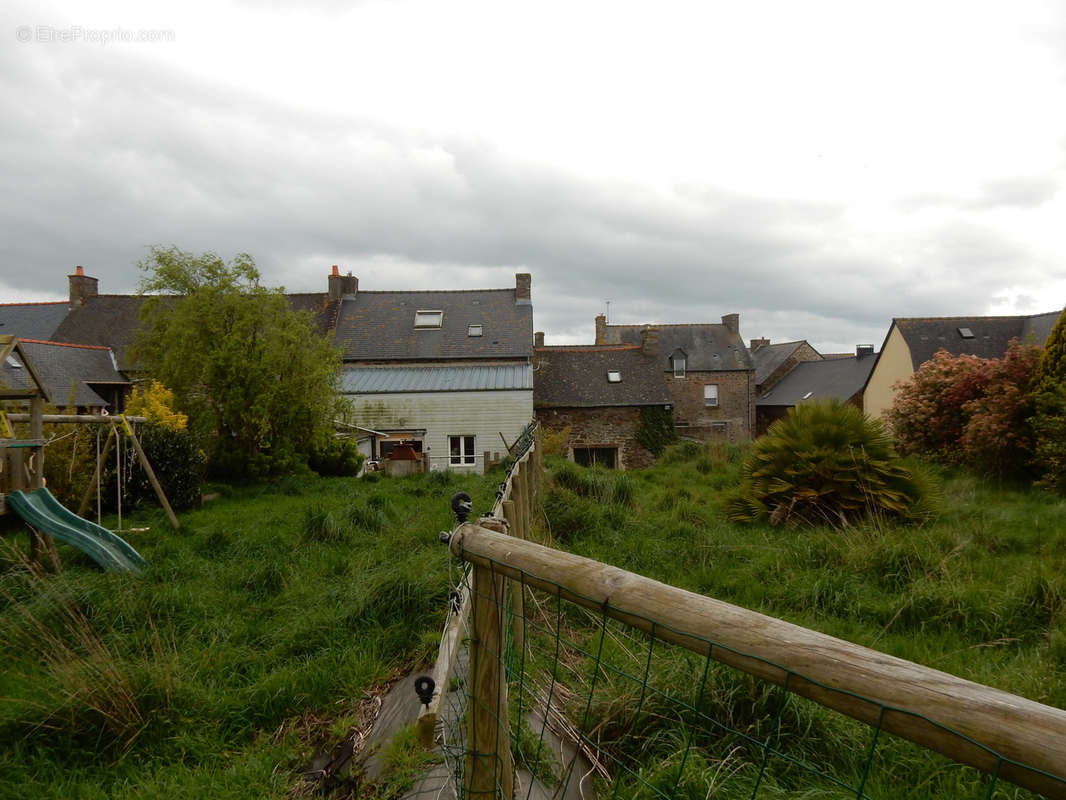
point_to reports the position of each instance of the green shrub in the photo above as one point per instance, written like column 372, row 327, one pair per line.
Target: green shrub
column 177, row 462
column 339, row 457
column 656, row 429
column 827, row 462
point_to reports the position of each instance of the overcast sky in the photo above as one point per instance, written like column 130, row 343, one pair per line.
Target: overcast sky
column 818, row 167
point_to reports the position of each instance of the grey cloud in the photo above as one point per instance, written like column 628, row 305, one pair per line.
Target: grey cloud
column 107, row 155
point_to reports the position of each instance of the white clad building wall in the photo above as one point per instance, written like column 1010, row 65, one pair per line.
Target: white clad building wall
column 483, row 415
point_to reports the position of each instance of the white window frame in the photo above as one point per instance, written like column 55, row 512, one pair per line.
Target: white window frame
column 710, row 398
column 679, row 363
column 425, row 314
column 464, row 459
column 475, row 329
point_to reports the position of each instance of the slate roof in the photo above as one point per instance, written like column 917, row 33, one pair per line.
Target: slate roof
column 66, row 370
column 31, row 320
column 106, row 320
column 708, row 347
column 568, row 377
column 322, row 308
column 379, row 326
column 838, row 378
column 991, row 335
column 771, row 356
column 465, row 378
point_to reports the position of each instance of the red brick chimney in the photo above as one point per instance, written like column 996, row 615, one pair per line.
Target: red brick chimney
column 82, row 287
column 342, row 285
column 522, row 284
column 649, row 341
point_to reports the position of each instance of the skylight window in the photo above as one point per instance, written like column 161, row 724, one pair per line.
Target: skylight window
column 13, row 362
column 614, row 376
column 428, row 319
column 808, row 395
column 965, row 333
column 473, row 330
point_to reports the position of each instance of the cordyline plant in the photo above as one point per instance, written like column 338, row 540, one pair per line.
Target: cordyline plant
column 828, row 463
column 969, row 410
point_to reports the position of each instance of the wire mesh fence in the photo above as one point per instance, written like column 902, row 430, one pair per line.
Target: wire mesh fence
column 595, row 707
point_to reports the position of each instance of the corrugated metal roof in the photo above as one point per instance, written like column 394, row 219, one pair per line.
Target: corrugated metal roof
column 470, row 378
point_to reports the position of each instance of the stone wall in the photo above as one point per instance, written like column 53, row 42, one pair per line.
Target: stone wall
column 600, row 427
column 734, row 416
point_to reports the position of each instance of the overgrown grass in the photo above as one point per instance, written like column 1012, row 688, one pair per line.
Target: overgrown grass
column 270, row 603
column 978, row 593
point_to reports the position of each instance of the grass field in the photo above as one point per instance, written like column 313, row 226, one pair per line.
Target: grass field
column 978, row 593
column 250, row 640
column 262, row 622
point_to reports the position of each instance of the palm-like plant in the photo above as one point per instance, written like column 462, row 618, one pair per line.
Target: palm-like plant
column 827, row 462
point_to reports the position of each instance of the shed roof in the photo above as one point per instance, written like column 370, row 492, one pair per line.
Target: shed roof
column 838, row 378
column 377, row 326
column 464, row 378
column 707, row 346
column 67, row 369
column 577, row 377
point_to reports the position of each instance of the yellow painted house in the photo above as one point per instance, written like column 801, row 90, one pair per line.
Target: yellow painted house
column 911, row 341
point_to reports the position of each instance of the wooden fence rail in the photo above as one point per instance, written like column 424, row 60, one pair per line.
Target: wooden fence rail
column 965, row 721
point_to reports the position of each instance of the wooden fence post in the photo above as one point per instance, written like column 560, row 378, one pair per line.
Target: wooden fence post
column 489, row 768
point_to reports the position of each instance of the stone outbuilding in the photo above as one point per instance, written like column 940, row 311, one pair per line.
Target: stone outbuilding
column 599, row 393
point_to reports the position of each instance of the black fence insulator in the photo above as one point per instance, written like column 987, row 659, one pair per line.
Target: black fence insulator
column 444, row 536
column 424, row 687
column 454, row 601
column 461, row 505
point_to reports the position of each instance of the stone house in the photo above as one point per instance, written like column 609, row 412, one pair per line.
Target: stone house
column 911, row 341
column 708, row 371
column 599, row 392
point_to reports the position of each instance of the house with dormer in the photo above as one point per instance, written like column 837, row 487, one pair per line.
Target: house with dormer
column 596, row 395
column 446, row 373
column 911, row 341
column 708, row 369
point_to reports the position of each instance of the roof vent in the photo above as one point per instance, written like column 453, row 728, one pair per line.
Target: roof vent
column 614, row 376
column 965, row 333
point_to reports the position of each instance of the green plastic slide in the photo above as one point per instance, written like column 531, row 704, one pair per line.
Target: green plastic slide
column 41, row 510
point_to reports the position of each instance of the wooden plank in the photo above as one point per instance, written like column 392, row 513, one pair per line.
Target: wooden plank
column 830, row 671
column 450, row 642
column 489, row 768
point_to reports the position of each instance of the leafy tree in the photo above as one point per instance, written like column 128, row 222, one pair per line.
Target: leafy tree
column 258, row 383
column 969, row 410
column 828, row 463
column 1049, row 419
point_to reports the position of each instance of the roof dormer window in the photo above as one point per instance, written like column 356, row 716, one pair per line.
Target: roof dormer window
column 428, row 319
column 678, row 362
column 614, row 376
